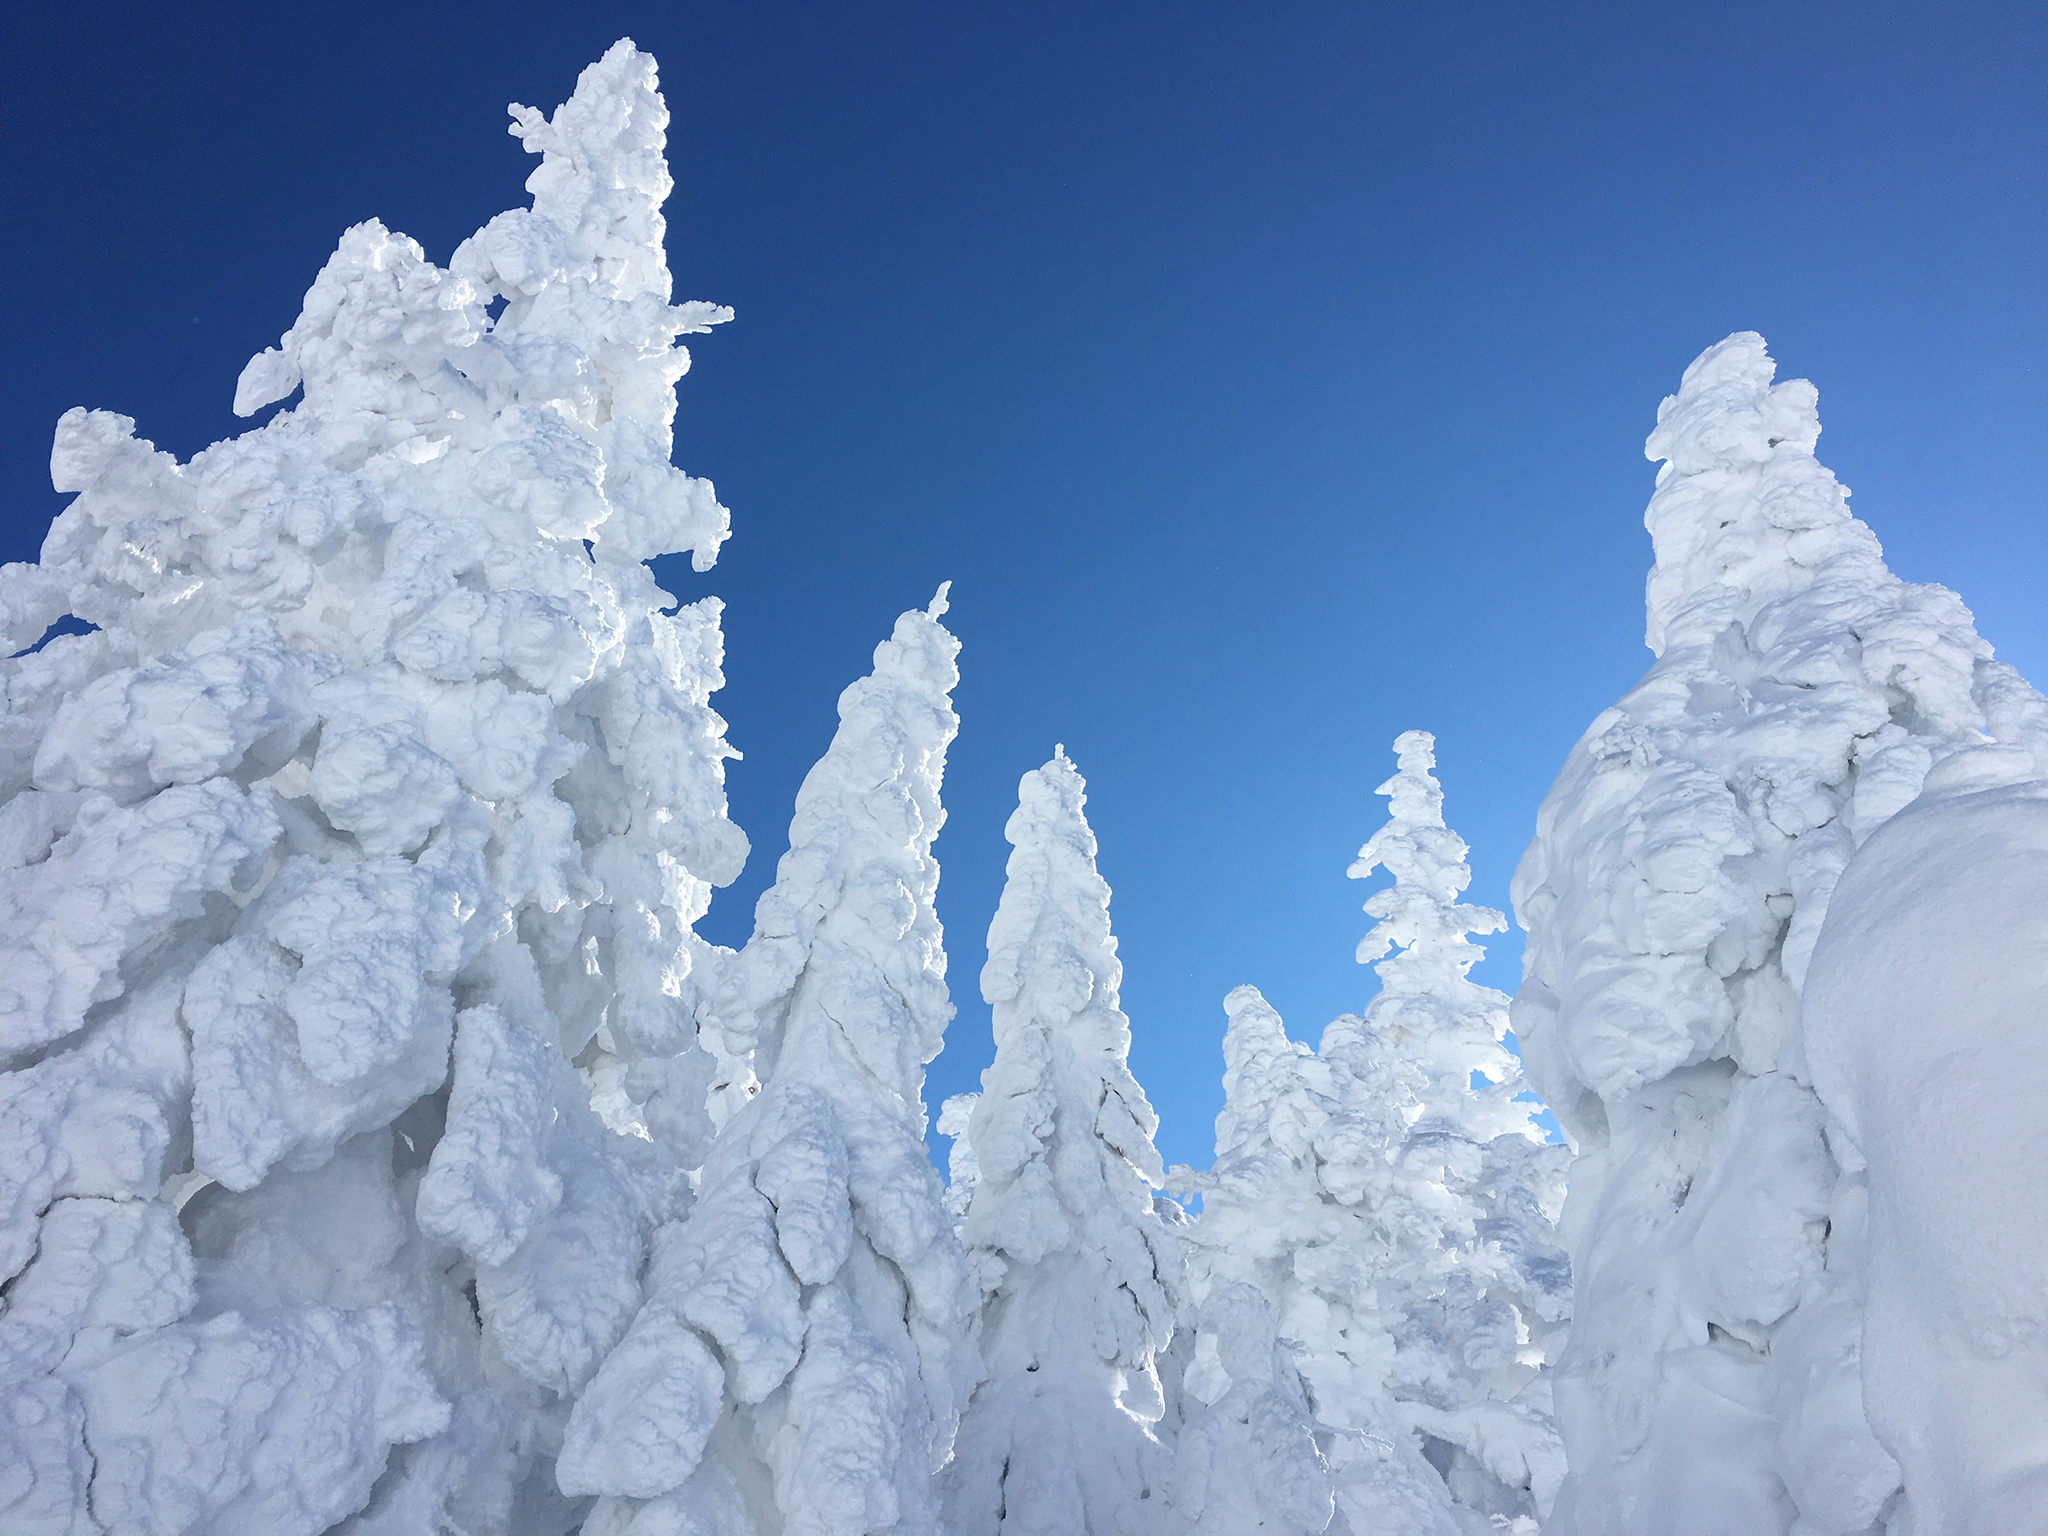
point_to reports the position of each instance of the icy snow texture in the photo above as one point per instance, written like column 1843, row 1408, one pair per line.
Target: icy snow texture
column 1374, row 1214
column 798, row 1364
column 384, row 741
column 1080, row 1279
column 1681, row 870
column 1924, row 1005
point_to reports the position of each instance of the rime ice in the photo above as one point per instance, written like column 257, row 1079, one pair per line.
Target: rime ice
column 1079, row 1276
column 383, row 1153
column 1373, row 1262
column 385, row 744
column 1682, row 870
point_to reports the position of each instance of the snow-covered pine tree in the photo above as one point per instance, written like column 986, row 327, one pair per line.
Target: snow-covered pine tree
column 1395, row 1216
column 1246, row 1451
column 1482, row 1289
column 383, row 738
column 1079, row 1277
column 798, row 1365
column 1682, row 865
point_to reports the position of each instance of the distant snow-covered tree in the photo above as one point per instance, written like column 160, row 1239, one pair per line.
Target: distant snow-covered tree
column 1682, row 866
column 385, row 741
column 1079, row 1276
column 1388, row 1197
column 806, row 1338
column 1482, row 1289
column 1246, row 1454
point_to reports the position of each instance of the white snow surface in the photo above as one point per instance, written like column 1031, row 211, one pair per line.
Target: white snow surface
column 1080, row 1278
column 385, row 742
column 1923, row 1015
column 1682, row 868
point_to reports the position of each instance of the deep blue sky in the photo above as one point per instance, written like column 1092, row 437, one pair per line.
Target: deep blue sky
column 1268, row 379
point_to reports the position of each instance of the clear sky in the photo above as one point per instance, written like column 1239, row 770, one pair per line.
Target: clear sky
column 1269, row 379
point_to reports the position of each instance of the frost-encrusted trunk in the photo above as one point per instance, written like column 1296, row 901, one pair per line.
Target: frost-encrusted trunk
column 384, row 744
column 1079, row 1277
column 1388, row 1224
column 798, row 1365
column 1682, row 867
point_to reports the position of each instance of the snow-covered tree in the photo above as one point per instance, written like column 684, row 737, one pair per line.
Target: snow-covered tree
column 1246, row 1452
column 1394, row 1215
column 384, row 740
column 799, row 1361
column 1483, row 1290
column 1079, row 1276
column 1681, row 870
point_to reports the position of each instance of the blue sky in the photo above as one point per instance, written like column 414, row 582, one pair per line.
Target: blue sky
column 1268, row 379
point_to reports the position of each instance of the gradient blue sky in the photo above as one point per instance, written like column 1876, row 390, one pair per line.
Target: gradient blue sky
column 1269, row 379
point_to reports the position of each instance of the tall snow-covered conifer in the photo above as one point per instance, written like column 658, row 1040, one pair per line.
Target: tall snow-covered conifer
column 384, row 740
column 1682, row 866
column 1079, row 1276
column 1395, row 1218
column 1481, row 1289
column 798, row 1365
column 1246, row 1452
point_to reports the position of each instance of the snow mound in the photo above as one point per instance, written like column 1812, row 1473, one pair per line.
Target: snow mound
column 1923, row 1019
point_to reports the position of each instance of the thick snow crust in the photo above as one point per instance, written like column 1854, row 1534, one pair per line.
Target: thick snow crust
column 380, row 802
column 1683, row 865
column 1373, row 1265
column 1924, row 1006
column 1079, row 1276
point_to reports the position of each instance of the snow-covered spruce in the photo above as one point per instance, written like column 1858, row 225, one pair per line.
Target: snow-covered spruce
column 798, row 1365
column 1393, row 1220
column 1079, row 1276
column 383, row 741
column 1681, row 870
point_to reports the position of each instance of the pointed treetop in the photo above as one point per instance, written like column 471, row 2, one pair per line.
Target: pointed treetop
column 860, row 874
column 1419, row 912
column 1743, row 513
column 604, row 172
column 1053, row 894
column 1052, row 976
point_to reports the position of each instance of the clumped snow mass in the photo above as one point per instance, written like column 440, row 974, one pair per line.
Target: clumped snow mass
column 1780, row 1313
column 383, row 1152
column 356, row 846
